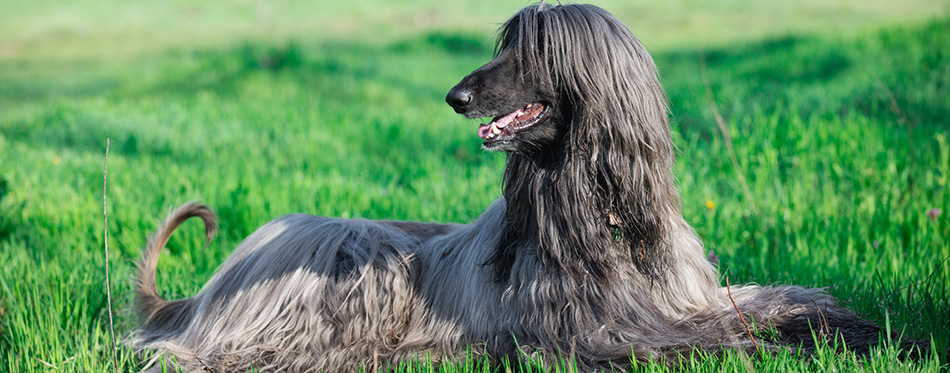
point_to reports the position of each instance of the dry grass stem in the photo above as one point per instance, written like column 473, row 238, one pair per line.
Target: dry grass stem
column 897, row 110
column 742, row 318
column 725, row 133
column 105, row 239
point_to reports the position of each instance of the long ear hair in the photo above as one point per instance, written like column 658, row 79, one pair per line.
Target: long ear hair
column 609, row 189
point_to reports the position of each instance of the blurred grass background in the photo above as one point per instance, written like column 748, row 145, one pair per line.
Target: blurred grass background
column 838, row 112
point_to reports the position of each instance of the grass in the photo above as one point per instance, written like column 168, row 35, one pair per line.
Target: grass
column 840, row 131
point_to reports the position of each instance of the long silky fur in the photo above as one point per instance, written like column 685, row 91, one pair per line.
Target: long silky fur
column 585, row 257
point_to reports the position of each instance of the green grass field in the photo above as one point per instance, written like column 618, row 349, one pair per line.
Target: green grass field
column 838, row 112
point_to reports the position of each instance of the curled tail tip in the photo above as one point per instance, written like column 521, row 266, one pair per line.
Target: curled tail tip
column 176, row 218
column 196, row 209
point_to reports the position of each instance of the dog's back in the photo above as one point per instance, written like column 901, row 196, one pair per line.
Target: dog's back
column 293, row 289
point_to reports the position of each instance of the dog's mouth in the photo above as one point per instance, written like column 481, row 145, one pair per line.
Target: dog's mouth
column 505, row 127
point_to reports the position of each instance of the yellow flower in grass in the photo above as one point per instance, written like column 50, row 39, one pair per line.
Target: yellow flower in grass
column 710, row 204
column 57, row 160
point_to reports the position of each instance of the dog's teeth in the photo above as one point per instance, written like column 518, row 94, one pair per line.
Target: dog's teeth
column 529, row 106
column 495, row 130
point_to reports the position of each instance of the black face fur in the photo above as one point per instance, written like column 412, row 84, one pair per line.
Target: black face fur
column 501, row 88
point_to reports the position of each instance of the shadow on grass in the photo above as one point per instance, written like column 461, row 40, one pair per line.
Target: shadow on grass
column 906, row 66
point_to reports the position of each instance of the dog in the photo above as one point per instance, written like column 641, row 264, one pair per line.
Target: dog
column 585, row 257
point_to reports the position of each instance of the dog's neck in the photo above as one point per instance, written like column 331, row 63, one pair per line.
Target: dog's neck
column 577, row 222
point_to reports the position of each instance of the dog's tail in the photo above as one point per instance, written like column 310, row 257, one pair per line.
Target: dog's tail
column 147, row 300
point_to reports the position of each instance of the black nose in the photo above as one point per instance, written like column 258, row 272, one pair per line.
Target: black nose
column 459, row 99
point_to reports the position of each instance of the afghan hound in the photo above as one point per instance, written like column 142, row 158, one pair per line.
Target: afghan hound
column 585, row 256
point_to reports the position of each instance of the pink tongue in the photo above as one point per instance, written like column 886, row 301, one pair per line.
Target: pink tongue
column 502, row 122
column 483, row 130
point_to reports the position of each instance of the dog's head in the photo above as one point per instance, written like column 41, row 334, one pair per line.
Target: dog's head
column 525, row 112
column 559, row 69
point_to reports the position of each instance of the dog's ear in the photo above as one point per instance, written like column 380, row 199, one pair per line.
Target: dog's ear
column 624, row 130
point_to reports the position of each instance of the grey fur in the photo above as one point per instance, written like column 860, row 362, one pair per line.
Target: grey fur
column 586, row 254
